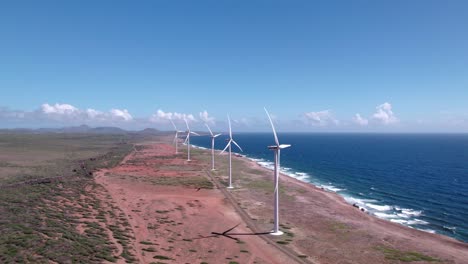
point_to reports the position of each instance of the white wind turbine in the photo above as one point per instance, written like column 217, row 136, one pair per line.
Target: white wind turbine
column 176, row 135
column 276, row 148
column 230, row 152
column 212, row 145
column 187, row 139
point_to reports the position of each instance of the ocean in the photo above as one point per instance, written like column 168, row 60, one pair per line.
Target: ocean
column 417, row 180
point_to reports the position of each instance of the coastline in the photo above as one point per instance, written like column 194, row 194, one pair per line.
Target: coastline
column 329, row 226
column 405, row 216
column 170, row 203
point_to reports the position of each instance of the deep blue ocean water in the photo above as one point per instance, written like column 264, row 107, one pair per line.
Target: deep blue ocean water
column 418, row 180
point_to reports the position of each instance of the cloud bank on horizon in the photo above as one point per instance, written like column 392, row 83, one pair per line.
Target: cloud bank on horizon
column 62, row 114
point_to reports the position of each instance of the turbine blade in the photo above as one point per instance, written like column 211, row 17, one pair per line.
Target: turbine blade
column 230, row 130
column 175, row 137
column 175, row 128
column 209, row 129
column 235, row 143
column 195, row 133
column 186, row 138
column 273, row 127
column 186, row 123
column 217, row 135
column 227, row 145
column 282, row 146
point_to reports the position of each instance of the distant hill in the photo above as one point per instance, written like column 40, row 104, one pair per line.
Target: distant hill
column 107, row 130
column 149, row 131
column 83, row 129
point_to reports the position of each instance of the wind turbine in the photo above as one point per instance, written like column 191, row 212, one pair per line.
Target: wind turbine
column 276, row 148
column 212, row 145
column 187, row 139
column 176, row 135
column 230, row 153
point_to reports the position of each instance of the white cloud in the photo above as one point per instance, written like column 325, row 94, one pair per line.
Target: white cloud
column 241, row 122
column 360, row 120
column 93, row 114
column 67, row 112
column 161, row 117
column 320, row 118
column 59, row 109
column 385, row 114
column 205, row 117
column 121, row 114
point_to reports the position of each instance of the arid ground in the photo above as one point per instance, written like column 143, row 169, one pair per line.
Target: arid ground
column 139, row 202
column 173, row 206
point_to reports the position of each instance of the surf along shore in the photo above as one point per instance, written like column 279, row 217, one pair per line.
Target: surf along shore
column 178, row 211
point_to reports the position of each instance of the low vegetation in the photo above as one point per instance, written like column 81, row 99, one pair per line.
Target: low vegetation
column 46, row 212
column 405, row 256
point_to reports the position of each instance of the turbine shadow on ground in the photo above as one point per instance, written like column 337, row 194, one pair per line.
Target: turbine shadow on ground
column 229, row 235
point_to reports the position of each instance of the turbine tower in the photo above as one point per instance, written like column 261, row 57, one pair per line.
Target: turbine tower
column 230, row 152
column 176, row 135
column 187, row 139
column 212, row 145
column 276, row 148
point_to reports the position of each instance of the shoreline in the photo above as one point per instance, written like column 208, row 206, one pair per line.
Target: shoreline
column 333, row 208
column 168, row 202
column 391, row 213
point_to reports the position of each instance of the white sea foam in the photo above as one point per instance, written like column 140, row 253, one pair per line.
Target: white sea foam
column 399, row 221
column 380, row 207
column 302, row 176
column 451, row 228
column 360, row 202
column 197, row 147
column 427, row 230
column 386, row 216
column 403, row 215
column 417, row 222
column 411, row 212
column 330, row 188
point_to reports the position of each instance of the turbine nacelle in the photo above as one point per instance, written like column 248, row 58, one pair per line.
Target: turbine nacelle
column 281, row 146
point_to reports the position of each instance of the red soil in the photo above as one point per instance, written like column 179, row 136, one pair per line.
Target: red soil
column 177, row 221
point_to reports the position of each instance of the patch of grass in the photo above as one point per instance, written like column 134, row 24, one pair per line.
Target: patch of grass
column 150, row 249
column 282, row 242
column 162, row 257
column 337, row 226
column 302, row 256
column 189, row 182
column 146, row 243
column 404, row 256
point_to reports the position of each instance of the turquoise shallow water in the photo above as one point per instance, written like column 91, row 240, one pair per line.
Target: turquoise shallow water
column 417, row 180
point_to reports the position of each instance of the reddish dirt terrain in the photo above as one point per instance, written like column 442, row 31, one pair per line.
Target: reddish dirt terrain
column 329, row 230
column 172, row 208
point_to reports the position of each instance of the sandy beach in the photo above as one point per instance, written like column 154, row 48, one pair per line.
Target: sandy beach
column 178, row 211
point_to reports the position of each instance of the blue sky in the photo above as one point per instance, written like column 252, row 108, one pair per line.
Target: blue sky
column 401, row 65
